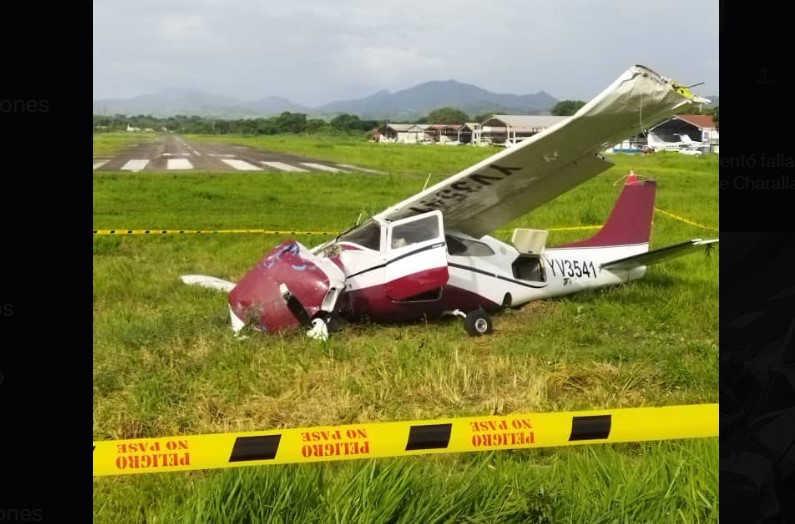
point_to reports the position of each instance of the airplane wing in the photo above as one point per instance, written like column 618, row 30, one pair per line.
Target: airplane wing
column 507, row 185
column 659, row 255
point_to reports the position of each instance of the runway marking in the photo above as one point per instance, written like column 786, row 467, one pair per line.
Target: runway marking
column 285, row 167
column 196, row 152
column 356, row 168
column 322, row 167
column 135, row 165
column 223, row 155
column 178, row 163
column 241, row 165
column 99, row 164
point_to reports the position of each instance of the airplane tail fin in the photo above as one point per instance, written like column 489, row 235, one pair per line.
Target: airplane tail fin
column 630, row 220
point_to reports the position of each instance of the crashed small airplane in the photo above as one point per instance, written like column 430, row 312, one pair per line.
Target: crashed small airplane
column 430, row 255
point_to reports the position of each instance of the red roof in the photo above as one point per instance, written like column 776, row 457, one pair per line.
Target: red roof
column 700, row 121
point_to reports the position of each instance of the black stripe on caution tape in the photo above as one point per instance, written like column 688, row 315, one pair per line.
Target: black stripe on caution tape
column 590, row 427
column 255, row 448
column 432, row 436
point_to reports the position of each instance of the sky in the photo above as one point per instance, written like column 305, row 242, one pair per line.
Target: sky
column 313, row 52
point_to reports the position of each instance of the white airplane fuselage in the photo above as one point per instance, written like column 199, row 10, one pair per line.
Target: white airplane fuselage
column 504, row 278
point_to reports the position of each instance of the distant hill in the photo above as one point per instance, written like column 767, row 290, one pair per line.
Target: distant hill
column 421, row 99
column 408, row 104
column 170, row 102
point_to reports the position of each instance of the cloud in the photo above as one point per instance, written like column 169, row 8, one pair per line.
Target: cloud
column 315, row 51
column 181, row 27
column 386, row 65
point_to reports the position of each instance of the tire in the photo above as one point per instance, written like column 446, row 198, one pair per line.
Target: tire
column 477, row 323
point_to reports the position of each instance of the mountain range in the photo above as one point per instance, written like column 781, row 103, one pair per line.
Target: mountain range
column 407, row 104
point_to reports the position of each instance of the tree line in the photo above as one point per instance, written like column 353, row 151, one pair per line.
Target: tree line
column 286, row 122
column 298, row 123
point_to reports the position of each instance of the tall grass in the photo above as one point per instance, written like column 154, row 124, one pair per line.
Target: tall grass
column 165, row 361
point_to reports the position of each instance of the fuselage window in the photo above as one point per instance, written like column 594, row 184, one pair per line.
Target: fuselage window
column 529, row 268
column 464, row 247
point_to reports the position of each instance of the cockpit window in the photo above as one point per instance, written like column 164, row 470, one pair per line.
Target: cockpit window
column 465, row 247
column 367, row 235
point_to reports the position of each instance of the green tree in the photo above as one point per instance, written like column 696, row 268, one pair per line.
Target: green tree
column 447, row 115
column 567, row 107
column 291, row 122
column 314, row 125
column 346, row 122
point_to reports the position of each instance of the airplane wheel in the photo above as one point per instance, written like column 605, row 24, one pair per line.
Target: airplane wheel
column 477, row 323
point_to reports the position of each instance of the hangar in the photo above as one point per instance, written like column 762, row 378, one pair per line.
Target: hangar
column 700, row 128
column 500, row 129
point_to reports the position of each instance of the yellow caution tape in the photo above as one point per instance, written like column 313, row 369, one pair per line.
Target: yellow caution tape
column 573, row 228
column 683, row 219
column 406, row 438
column 154, row 232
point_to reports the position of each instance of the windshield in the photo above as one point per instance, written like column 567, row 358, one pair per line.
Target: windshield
column 367, row 235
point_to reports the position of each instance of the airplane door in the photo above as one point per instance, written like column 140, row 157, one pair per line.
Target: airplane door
column 416, row 256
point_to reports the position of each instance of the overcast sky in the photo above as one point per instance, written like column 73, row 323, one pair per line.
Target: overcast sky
column 313, row 51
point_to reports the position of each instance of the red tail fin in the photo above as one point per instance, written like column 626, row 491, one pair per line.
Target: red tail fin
column 630, row 220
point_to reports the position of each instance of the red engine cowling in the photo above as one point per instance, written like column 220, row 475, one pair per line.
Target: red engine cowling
column 258, row 299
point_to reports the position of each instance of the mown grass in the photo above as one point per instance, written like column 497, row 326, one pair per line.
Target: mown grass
column 165, row 361
column 108, row 144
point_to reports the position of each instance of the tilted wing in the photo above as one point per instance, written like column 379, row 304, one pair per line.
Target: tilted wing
column 505, row 186
column 659, row 255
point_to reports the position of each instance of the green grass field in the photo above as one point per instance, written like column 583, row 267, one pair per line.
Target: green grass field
column 166, row 363
column 108, row 144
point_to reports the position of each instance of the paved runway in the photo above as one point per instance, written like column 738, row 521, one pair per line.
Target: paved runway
column 174, row 153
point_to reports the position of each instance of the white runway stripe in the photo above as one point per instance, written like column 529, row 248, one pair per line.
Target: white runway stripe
column 178, row 163
column 321, row 167
column 284, row 167
column 355, row 168
column 135, row 165
column 97, row 165
column 241, row 165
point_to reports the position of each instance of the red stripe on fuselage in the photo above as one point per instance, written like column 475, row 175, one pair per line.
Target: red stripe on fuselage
column 373, row 303
column 416, row 283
